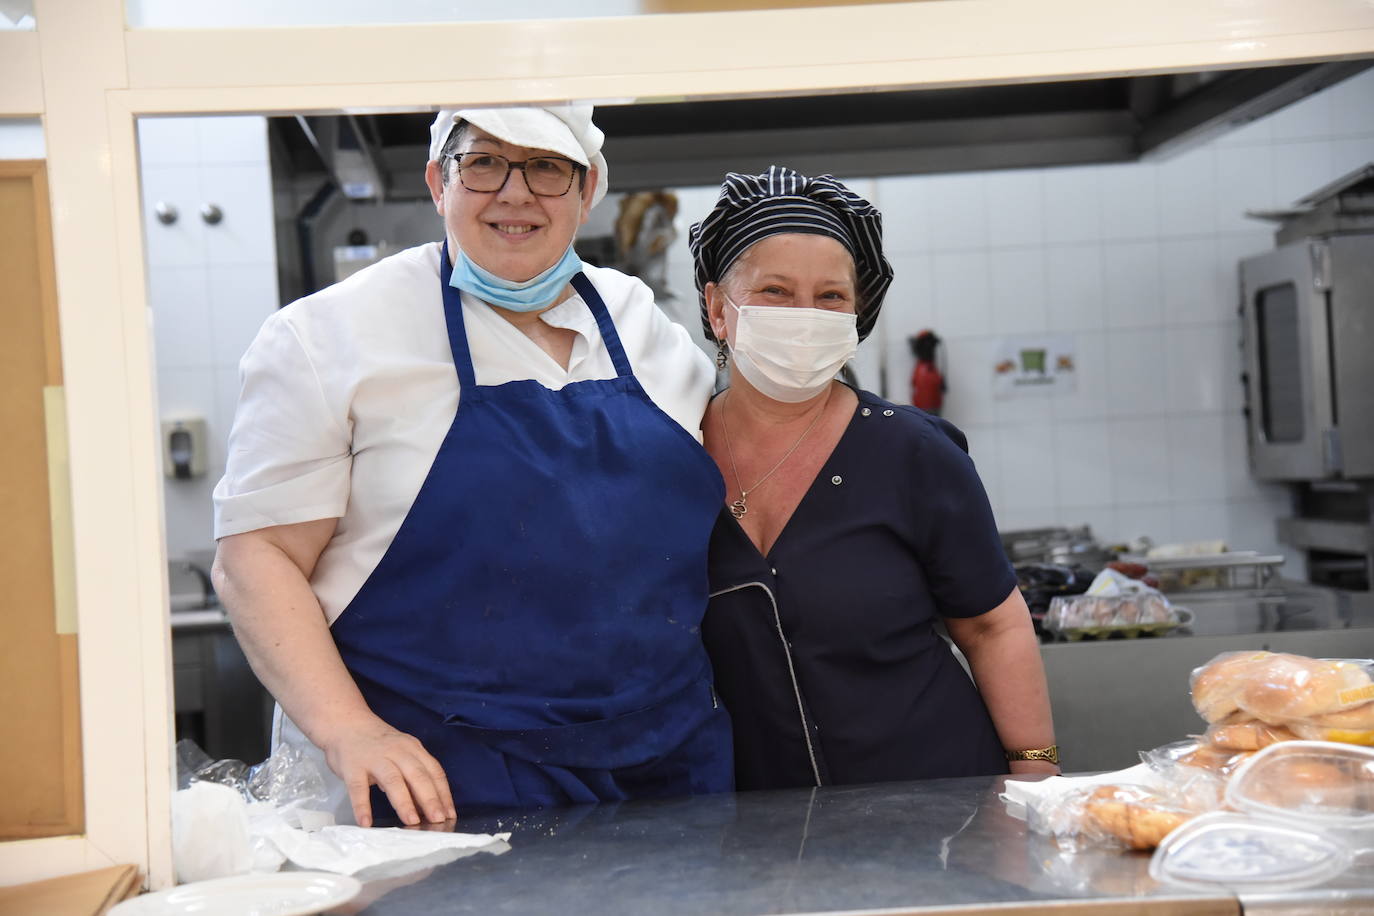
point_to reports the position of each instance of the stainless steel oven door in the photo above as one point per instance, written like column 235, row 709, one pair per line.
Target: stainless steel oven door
column 1287, row 342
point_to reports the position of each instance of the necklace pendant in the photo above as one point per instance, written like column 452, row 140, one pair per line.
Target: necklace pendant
column 738, row 508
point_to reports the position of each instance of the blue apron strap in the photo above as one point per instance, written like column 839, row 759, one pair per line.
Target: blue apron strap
column 603, row 323
column 457, row 333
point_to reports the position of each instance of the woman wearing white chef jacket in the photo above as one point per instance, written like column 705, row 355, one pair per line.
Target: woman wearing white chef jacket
column 464, row 520
column 850, row 525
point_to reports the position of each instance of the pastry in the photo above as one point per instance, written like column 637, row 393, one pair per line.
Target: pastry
column 1136, row 816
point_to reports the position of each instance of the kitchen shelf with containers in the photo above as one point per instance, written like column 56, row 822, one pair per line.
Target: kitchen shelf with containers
column 1081, row 591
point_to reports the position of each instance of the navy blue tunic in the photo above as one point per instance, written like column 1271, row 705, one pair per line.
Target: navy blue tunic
column 825, row 651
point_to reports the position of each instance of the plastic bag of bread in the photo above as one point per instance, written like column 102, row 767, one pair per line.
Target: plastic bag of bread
column 1278, row 688
column 1246, row 735
column 1349, row 726
column 1197, row 753
column 1129, row 816
column 1199, row 756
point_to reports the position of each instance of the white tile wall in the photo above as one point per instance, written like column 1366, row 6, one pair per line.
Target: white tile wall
column 961, row 292
column 1073, row 203
column 1015, row 208
column 1020, row 295
column 1074, row 284
column 1128, row 200
column 1136, row 372
column 210, row 286
column 1187, row 193
column 1133, row 284
column 1138, row 263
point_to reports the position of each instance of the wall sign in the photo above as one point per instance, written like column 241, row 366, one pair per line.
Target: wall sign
column 1026, row 366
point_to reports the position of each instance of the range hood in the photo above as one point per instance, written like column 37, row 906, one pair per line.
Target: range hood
column 686, row 143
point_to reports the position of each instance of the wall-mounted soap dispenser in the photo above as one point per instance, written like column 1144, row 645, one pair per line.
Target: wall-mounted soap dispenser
column 183, row 448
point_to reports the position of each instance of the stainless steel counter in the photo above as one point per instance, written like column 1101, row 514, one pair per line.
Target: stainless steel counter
column 945, row 846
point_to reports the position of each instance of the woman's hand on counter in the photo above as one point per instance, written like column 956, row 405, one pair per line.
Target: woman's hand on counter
column 374, row 753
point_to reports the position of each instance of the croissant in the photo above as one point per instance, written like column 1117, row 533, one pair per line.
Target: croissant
column 1135, row 816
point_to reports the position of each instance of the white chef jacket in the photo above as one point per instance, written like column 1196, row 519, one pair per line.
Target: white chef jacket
column 347, row 395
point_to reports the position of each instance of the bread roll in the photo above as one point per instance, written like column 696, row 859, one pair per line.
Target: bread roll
column 1312, row 732
column 1217, row 684
column 1360, row 718
column 1287, row 687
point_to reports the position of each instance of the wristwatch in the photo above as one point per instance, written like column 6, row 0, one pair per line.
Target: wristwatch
column 1050, row 754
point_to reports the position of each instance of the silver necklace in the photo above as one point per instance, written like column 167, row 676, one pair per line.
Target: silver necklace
column 739, row 508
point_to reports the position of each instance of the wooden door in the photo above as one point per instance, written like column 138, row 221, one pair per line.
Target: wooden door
column 40, row 733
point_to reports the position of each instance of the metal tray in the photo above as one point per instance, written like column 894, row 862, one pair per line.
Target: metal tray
column 1240, row 570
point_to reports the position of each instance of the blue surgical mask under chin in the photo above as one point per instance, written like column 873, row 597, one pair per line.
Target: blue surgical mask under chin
column 524, row 296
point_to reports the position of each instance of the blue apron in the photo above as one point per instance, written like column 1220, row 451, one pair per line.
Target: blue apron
column 535, row 623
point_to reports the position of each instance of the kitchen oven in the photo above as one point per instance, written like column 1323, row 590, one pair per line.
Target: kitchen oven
column 1308, row 313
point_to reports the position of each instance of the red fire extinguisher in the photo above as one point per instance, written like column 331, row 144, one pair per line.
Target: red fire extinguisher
column 927, row 381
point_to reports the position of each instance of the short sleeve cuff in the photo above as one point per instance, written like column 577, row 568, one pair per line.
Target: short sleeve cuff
column 983, row 597
column 322, row 493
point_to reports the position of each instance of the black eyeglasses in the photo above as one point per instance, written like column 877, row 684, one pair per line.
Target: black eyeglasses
column 545, row 176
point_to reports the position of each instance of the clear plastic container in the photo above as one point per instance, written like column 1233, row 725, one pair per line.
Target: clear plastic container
column 1098, row 616
column 1320, row 784
column 1243, row 852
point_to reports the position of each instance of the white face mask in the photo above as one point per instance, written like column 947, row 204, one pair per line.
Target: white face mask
column 791, row 354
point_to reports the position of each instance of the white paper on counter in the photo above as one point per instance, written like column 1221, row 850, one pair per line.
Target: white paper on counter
column 347, row 850
column 217, row 833
column 1019, row 793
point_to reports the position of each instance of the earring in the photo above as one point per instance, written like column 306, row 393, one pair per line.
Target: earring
column 720, row 354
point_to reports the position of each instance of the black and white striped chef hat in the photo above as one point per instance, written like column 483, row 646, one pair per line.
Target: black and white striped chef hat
column 781, row 200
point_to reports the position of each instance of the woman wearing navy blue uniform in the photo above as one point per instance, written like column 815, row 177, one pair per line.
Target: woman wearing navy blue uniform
column 851, row 526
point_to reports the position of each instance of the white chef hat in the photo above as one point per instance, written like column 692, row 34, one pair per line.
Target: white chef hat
column 564, row 129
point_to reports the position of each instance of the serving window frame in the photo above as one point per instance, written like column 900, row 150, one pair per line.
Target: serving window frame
column 89, row 77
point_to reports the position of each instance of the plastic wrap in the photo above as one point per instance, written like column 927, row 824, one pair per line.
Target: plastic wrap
column 1247, row 853
column 286, row 779
column 1197, row 753
column 1248, row 735
column 1128, row 816
column 229, row 818
column 1326, row 698
column 1324, row 785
